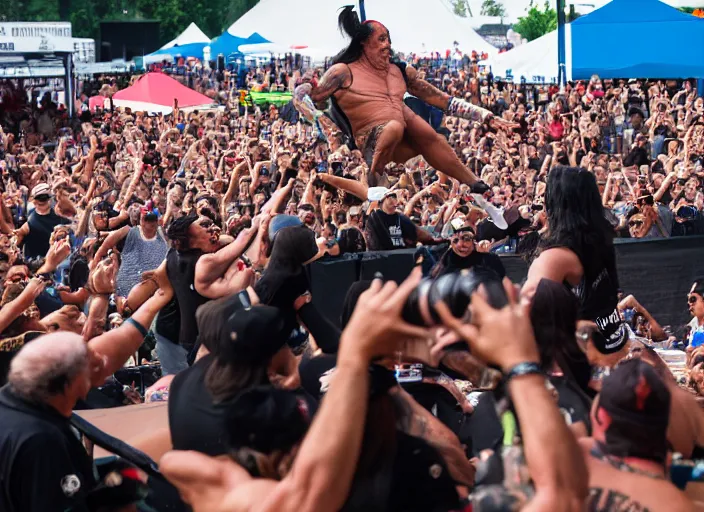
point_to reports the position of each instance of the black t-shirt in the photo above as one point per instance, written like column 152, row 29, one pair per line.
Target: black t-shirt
column 168, row 323
column 598, row 298
column 181, row 269
column 36, row 243
column 386, row 232
column 196, row 423
column 43, row 465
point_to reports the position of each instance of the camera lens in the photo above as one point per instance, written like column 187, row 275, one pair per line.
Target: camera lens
column 455, row 290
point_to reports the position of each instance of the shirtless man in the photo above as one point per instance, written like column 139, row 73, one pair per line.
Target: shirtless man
column 369, row 88
column 627, row 452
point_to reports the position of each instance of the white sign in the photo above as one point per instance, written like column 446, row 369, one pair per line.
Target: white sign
column 43, row 44
column 22, row 29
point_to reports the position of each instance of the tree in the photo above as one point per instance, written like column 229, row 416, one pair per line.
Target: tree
column 493, row 8
column 212, row 16
column 460, row 8
column 537, row 22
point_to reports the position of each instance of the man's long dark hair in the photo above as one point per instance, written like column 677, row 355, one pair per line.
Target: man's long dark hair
column 359, row 32
column 576, row 219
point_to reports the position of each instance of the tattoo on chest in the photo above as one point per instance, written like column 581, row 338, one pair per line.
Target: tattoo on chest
column 608, row 500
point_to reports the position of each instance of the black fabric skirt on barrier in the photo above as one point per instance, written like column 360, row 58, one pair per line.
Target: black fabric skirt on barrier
column 659, row 273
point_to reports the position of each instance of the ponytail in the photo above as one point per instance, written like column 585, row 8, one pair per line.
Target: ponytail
column 349, row 24
column 348, row 21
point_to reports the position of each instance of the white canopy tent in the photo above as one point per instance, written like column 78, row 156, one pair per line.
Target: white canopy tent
column 192, row 34
column 535, row 61
column 311, row 29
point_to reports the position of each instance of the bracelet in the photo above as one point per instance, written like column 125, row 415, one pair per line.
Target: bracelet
column 137, row 326
column 523, row 369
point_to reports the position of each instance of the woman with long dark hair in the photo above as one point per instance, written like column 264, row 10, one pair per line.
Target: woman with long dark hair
column 578, row 250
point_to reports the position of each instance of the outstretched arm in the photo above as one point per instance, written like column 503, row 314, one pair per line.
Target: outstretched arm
column 306, row 95
column 452, row 106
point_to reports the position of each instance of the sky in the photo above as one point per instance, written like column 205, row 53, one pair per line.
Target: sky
column 518, row 8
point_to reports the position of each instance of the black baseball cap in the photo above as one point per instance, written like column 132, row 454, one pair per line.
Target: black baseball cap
column 698, row 287
column 267, row 419
column 634, row 393
column 233, row 330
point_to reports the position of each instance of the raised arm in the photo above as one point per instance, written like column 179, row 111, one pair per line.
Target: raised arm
column 111, row 241
column 307, row 95
column 212, row 270
column 117, row 345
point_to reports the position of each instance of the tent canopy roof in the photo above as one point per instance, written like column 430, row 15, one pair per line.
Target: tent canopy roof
column 635, row 11
column 658, row 33
column 228, row 43
column 415, row 26
column 160, row 89
column 192, row 34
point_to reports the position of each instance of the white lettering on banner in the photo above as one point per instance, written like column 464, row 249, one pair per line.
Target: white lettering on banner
column 7, row 47
column 35, row 29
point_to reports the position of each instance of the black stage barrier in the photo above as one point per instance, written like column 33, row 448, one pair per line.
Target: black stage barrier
column 659, row 273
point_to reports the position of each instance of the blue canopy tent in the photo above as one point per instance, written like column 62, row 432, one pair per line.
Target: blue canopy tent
column 637, row 39
column 227, row 44
column 184, row 50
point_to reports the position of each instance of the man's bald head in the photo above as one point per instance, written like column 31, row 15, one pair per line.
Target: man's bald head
column 44, row 367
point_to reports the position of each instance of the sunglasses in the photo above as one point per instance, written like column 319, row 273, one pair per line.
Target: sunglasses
column 464, row 238
column 692, row 299
column 41, row 199
column 637, row 223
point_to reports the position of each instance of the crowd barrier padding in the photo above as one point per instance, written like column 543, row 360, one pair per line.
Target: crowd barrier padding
column 659, row 273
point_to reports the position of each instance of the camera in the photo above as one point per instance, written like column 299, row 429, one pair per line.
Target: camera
column 455, row 290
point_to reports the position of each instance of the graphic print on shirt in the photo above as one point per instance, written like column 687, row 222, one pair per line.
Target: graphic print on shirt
column 396, row 236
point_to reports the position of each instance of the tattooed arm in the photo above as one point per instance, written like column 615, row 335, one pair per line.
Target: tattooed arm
column 452, row 106
column 423, row 90
column 307, row 95
column 416, row 421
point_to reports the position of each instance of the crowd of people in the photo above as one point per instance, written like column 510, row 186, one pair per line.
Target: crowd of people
column 178, row 244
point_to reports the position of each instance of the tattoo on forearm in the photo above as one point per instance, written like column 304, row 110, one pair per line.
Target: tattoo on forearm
column 331, row 82
column 427, row 92
column 463, row 363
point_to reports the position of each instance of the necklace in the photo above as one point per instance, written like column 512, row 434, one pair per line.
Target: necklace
column 619, row 464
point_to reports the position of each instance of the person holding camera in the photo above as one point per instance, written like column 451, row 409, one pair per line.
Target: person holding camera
column 332, row 445
column 649, row 220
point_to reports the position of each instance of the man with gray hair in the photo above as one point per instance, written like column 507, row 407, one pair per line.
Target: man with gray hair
column 43, row 465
